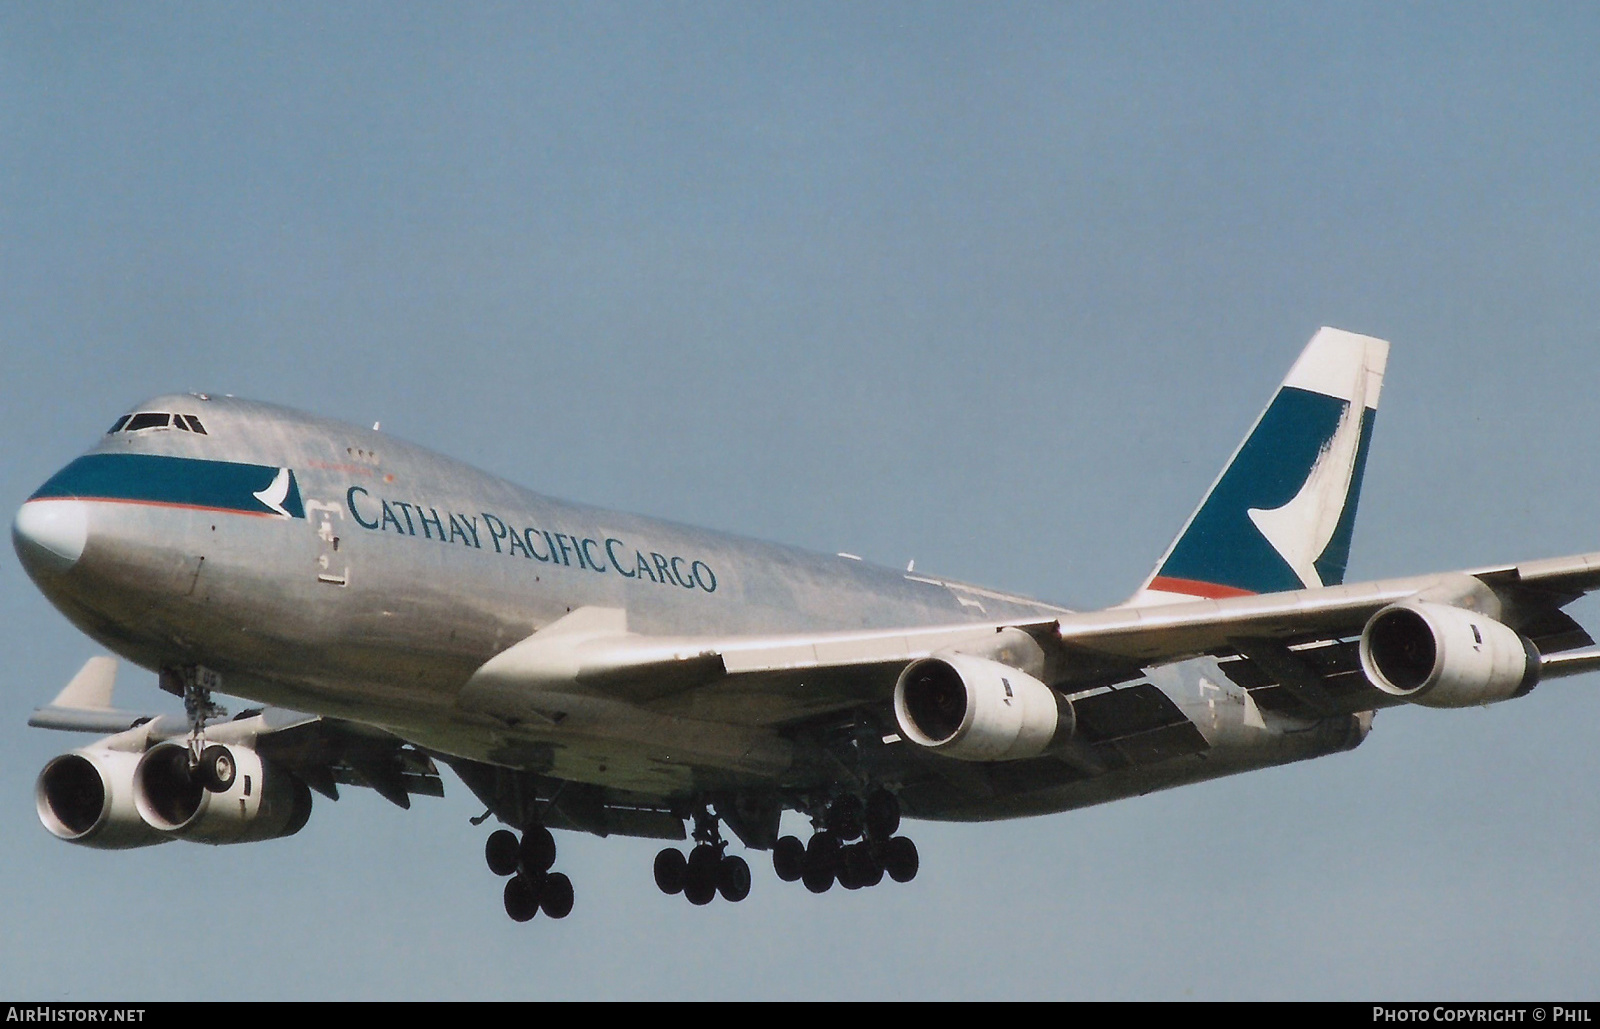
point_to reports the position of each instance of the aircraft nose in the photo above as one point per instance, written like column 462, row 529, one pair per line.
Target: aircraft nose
column 49, row 535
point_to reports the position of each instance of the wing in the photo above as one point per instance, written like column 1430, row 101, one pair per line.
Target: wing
column 786, row 678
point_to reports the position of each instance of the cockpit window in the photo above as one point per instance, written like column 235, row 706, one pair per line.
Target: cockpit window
column 147, row 420
column 158, row 420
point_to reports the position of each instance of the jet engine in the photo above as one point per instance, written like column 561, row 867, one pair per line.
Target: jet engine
column 115, row 799
column 1442, row 656
column 975, row 709
column 86, row 797
column 259, row 802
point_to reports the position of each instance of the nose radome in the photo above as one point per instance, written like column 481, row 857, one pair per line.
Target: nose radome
column 49, row 535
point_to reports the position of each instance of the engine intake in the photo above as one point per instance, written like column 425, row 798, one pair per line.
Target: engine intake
column 975, row 709
column 86, row 797
column 1442, row 656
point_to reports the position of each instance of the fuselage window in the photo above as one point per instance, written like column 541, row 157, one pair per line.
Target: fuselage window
column 147, row 420
column 119, row 424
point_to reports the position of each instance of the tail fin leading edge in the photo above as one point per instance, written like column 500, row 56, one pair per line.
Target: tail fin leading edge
column 1281, row 514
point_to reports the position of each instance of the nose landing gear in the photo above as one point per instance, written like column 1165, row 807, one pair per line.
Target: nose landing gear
column 211, row 765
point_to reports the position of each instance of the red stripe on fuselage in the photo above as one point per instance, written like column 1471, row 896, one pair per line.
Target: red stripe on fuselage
column 1195, row 588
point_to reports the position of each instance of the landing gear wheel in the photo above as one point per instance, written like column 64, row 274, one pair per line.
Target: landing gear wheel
column 823, row 846
column 900, row 859
column 501, row 852
column 818, row 878
column 700, row 876
column 671, row 871
column 538, row 850
column 856, row 867
column 883, row 814
column 844, row 817
column 522, row 899
column 822, row 862
column 733, row 879
column 217, row 768
column 789, row 858
column 556, row 897
column 873, row 873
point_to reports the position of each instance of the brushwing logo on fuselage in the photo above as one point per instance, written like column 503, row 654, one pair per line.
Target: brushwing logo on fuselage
column 278, row 494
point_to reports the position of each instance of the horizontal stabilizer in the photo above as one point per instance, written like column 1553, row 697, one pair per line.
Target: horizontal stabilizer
column 84, row 705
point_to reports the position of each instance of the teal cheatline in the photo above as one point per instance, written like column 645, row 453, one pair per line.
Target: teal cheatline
column 178, row 482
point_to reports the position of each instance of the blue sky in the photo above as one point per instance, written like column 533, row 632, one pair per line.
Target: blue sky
column 992, row 287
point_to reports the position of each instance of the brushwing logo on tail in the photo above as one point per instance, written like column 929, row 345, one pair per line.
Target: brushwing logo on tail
column 1301, row 530
column 1282, row 513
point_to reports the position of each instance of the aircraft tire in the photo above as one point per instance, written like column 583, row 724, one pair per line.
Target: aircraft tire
column 789, row 858
column 538, row 850
column 823, row 846
column 555, row 899
column 500, row 851
column 733, row 879
column 522, row 899
column 217, row 768
column 700, row 877
column 822, row 862
column 900, row 859
column 671, row 871
column 857, row 866
column 844, row 817
column 883, row 814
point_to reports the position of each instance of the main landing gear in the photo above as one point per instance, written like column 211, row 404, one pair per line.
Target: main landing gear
column 830, row 855
column 532, row 887
column 708, row 870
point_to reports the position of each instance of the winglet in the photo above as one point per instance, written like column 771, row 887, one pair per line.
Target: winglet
column 1281, row 514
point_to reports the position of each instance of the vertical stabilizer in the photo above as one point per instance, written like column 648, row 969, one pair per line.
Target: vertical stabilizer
column 1281, row 514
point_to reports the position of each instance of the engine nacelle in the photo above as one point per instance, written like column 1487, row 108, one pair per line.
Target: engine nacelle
column 87, row 797
column 979, row 710
column 263, row 802
column 1442, row 656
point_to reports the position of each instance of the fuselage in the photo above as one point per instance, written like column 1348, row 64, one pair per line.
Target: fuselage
column 336, row 570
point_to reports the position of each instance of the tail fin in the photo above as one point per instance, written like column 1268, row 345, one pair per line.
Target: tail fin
column 1280, row 515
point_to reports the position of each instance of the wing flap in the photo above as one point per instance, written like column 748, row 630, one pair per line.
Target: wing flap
column 1140, row 723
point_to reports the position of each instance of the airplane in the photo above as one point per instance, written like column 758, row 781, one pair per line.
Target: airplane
column 578, row 669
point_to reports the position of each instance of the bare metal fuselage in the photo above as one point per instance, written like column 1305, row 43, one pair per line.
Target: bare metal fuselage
column 397, row 573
